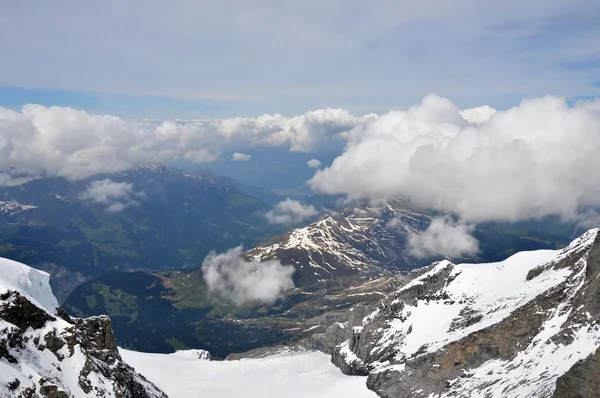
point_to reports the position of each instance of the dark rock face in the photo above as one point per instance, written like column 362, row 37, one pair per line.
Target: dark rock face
column 31, row 332
column 19, row 311
column 557, row 325
column 582, row 380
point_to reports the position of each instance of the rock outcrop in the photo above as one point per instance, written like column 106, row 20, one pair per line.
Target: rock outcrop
column 582, row 380
column 45, row 353
column 525, row 327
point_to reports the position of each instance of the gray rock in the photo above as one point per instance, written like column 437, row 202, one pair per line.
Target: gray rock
column 93, row 337
column 582, row 380
column 359, row 349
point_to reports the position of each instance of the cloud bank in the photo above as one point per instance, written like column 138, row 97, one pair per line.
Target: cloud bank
column 536, row 159
column 443, row 237
column 290, row 212
column 246, row 281
column 76, row 144
column 117, row 196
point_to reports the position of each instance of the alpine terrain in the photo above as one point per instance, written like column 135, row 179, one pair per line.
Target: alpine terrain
column 374, row 238
column 149, row 218
column 528, row 326
column 352, row 256
column 46, row 353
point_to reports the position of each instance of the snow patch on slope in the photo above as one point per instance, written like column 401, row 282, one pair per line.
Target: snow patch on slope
column 31, row 282
column 12, row 208
column 490, row 290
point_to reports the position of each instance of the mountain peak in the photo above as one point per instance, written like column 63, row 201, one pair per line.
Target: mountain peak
column 514, row 326
column 153, row 168
column 44, row 352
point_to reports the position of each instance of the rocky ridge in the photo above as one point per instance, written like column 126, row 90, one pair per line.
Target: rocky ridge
column 46, row 353
column 527, row 326
column 347, row 242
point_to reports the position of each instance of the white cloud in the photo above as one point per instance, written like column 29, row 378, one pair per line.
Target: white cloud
column 443, row 237
column 536, row 159
column 117, row 196
column 314, row 163
column 76, row 144
column 240, row 157
column 290, row 212
column 243, row 281
column 479, row 115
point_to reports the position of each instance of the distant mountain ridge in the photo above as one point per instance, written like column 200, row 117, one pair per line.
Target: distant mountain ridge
column 347, row 242
column 164, row 218
column 374, row 238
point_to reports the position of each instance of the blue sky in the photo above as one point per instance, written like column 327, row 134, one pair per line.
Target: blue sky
column 199, row 59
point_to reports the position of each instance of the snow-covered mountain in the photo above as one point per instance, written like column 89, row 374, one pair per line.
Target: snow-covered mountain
column 13, row 208
column 46, row 353
column 528, row 326
column 347, row 242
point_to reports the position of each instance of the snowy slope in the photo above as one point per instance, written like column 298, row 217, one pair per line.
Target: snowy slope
column 506, row 329
column 290, row 375
column 44, row 352
column 12, row 208
column 31, row 282
column 347, row 242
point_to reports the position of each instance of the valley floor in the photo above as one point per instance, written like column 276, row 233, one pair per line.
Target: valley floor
column 290, row 375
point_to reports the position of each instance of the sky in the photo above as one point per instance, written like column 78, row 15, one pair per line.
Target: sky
column 199, row 59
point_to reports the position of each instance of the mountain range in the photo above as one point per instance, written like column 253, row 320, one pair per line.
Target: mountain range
column 527, row 326
column 149, row 218
column 344, row 258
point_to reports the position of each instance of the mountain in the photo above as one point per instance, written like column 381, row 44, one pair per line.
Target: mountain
column 346, row 243
column 174, row 310
column 282, row 172
column 46, row 353
column 264, row 194
column 528, row 326
column 347, row 257
column 148, row 218
column 368, row 238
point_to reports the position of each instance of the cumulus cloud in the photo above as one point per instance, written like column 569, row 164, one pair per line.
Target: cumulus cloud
column 314, row 163
column 444, row 237
column 243, row 281
column 117, row 196
column 240, row 157
column 479, row 115
column 290, row 212
column 536, row 159
column 76, row 144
